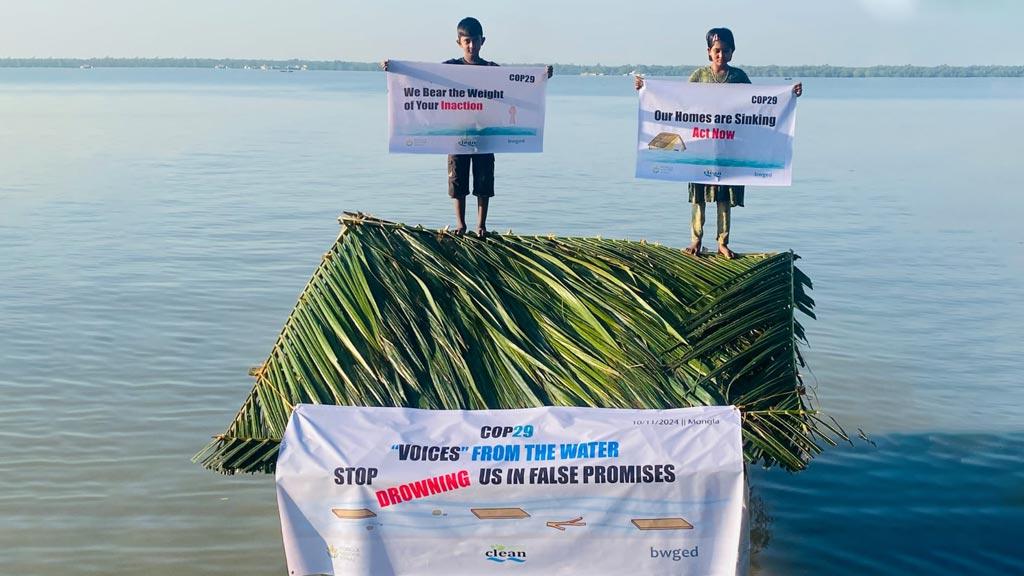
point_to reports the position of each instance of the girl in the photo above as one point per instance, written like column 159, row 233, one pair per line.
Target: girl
column 721, row 46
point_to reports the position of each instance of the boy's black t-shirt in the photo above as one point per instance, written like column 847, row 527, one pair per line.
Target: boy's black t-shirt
column 484, row 171
column 463, row 61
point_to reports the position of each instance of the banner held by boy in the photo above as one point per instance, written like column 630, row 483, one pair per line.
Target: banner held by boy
column 443, row 109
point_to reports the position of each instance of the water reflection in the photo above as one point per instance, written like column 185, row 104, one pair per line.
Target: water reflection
column 916, row 504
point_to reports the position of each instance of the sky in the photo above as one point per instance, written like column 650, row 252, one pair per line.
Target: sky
column 612, row 32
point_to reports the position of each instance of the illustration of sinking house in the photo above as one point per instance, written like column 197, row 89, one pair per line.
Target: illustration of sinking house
column 661, row 524
column 667, row 141
column 499, row 513
column 353, row 513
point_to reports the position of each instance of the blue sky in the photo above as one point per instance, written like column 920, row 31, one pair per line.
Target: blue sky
column 838, row 32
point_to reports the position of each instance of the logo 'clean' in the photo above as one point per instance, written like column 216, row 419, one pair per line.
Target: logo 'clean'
column 502, row 554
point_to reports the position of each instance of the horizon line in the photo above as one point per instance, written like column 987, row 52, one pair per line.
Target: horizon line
column 375, row 63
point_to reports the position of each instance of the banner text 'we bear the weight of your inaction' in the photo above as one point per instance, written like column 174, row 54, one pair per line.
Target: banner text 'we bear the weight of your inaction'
column 450, row 109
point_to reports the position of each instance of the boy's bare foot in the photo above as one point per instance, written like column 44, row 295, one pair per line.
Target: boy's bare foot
column 459, row 230
column 481, row 232
column 724, row 251
column 693, row 249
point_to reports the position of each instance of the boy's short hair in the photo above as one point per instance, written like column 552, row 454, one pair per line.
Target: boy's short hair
column 723, row 35
column 470, row 27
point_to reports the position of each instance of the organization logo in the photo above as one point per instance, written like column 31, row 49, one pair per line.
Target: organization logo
column 500, row 554
column 716, row 174
column 675, row 554
column 344, row 552
column 468, row 142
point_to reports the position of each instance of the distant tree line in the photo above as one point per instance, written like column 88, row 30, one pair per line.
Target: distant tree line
column 823, row 71
column 906, row 71
column 185, row 63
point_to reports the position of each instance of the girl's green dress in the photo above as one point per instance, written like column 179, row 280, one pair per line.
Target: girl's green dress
column 703, row 193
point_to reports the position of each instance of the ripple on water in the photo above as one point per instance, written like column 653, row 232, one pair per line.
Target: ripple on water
column 922, row 503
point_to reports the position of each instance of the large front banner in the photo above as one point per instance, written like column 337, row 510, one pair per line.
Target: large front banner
column 543, row 491
column 451, row 109
column 716, row 133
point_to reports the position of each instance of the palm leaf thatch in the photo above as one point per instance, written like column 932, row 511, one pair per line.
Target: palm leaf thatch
column 404, row 316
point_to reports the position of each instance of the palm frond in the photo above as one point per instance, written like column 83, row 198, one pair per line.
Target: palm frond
column 396, row 315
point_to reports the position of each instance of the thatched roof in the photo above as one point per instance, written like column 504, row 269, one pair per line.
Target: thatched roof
column 398, row 315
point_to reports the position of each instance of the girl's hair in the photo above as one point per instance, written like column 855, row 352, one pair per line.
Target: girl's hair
column 471, row 27
column 723, row 35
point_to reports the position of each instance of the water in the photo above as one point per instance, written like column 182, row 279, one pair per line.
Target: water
column 156, row 227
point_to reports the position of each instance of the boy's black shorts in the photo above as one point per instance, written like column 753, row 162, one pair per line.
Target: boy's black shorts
column 458, row 175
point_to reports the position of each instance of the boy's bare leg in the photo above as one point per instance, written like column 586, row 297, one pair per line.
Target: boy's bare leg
column 724, row 210
column 696, row 229
column 460, row 216
column 482, row 202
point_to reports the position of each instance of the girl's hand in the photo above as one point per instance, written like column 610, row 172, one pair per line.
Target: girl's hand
column 550, row 70
column 638, row 82
column 384, row 65
column 798, row 89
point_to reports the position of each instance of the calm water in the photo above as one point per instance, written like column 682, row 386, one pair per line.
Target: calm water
column 156, row 227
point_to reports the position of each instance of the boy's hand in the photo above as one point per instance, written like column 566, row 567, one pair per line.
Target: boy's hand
column 638, row 82
column 551, row 71
column 384, row 65
column 798, row 89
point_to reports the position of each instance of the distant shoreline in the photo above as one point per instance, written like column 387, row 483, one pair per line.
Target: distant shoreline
column 821, row 71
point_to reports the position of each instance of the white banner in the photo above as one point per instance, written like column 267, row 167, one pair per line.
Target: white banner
column 395, row 491
column 462, row 109
column 716, row 133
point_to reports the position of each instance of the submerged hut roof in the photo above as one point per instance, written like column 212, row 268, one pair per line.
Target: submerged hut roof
column 667, row 141
column 398, row 315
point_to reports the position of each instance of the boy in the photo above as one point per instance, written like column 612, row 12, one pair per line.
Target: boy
column 470, row 38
